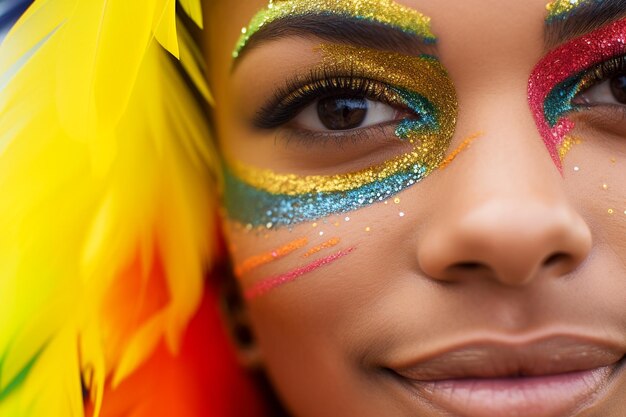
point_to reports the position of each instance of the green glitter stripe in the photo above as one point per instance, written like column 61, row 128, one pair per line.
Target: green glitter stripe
column 559, row 101
column 258, row 208
column 385, row 12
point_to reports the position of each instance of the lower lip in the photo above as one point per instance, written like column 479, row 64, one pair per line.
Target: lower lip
column 540, row 396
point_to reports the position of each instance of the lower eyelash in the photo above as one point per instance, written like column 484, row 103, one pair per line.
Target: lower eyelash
column 338, row 140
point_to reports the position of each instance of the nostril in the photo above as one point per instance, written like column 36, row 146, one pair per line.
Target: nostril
column 467, row 269
column 556, row 258
column 459, row 269
column 468, row 266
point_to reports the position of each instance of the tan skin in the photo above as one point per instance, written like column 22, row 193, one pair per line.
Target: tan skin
column 548, row 258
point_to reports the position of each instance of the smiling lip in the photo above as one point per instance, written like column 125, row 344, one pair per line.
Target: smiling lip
column 545, row 378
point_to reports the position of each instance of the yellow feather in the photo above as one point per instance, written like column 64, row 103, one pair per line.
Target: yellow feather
column 194, row 9
column 104, row 153
column 38, row 22
column 165, row 28
column 192, row 60
column 109, row 40
column 138, row 349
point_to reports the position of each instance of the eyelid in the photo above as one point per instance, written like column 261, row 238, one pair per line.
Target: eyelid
column 562, row 98
column 298, row 93
column 603, row 72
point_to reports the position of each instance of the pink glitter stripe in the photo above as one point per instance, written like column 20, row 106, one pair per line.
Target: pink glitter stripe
column 564, row 62
column 269, row 284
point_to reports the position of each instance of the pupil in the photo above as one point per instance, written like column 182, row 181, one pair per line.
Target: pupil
column 618, row 88
column 342, row 113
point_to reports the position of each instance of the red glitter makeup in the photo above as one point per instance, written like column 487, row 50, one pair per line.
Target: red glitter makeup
column 562, row 64
column 266, row 285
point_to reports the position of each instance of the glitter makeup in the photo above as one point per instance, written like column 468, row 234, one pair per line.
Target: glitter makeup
column 326, row 245
column 384, row 12
column 566, row 146
column 268, row 257
column 266, row 285
column 565, row 72
column 261, row 197
column 560, row 9
column 463, row 146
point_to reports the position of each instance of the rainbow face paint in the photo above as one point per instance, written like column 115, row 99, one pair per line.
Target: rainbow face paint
column 260, row 197
column 268, row 284
column 562, row 74
column 385, row 12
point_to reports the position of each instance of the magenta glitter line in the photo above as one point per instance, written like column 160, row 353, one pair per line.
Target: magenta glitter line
column 564, row 62
column 269, row 284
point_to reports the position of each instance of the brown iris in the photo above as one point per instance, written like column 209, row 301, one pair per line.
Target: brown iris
column 618, row 88
column 342, row 113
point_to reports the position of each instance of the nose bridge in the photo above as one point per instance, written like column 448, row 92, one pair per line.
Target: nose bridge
column 506, row 215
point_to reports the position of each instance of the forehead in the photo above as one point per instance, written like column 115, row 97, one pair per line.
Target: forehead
column 226, row 19
column 451, row 20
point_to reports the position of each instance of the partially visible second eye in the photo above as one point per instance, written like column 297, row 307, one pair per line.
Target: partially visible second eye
column 611, row 91
column 345, row 113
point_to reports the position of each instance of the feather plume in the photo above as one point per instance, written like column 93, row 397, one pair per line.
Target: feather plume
column 194, row 9
column 106, row 172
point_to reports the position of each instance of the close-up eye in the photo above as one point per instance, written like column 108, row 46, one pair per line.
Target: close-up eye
column 607, row 84
column 611, row 91
column 345, row 113
column 325, row 103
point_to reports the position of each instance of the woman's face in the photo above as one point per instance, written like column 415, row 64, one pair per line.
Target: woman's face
column 428, row 227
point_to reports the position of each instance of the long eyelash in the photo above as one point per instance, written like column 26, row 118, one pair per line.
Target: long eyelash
column 299, row 92
column 603, row 71
column 566, row 96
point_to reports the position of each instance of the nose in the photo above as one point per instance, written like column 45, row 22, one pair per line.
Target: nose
column 504, row 217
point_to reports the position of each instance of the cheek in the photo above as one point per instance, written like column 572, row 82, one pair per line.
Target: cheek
column 595, row 182
column 306, row 289
column 267, row 258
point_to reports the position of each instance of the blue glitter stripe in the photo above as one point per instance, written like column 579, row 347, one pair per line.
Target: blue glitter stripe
column 423, row 107
column 251, row 206
column 559, row 101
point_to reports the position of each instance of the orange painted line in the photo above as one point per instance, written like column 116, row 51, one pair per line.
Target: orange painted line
column 464, row 145
column 269, row 284
column 328, row 244
column 268, row 257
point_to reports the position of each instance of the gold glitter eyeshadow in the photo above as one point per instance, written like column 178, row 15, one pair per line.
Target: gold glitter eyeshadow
column 268, row 257
column 421, row 75
column 562, row 7
column 385, row 12
column 328, row 244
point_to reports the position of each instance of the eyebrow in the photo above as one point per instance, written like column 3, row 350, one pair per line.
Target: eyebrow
column 584, row 18
column 342, row 30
